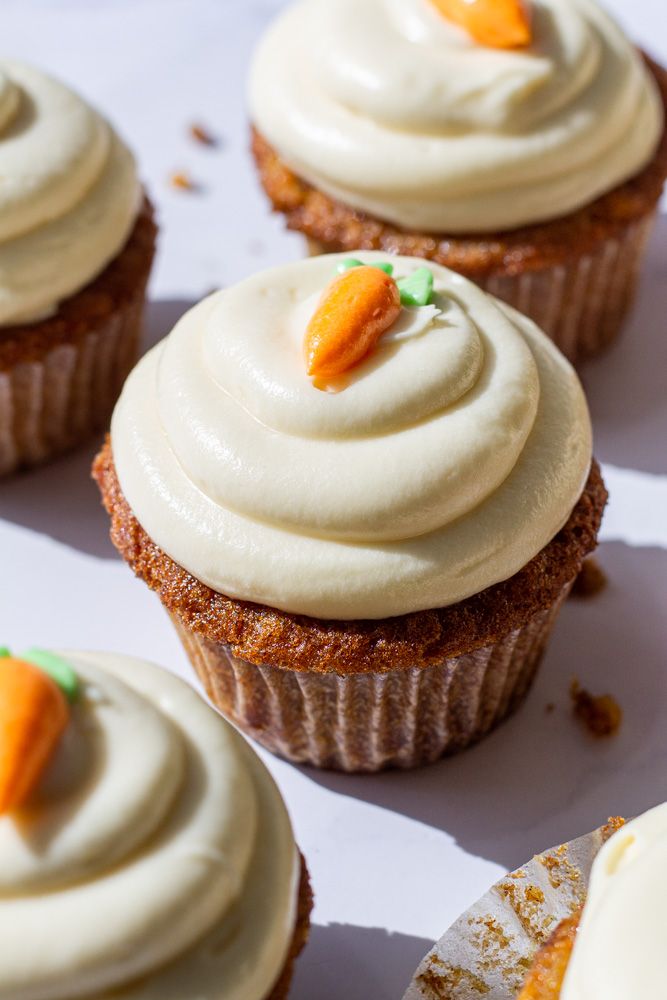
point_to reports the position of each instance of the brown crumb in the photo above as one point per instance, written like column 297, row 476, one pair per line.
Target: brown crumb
column 602, row 715
column 613, row 824
column 440, row 980
column 201, row 134
column 182, row 181
column 547, row 972
column 549, row 708
column 591, row 580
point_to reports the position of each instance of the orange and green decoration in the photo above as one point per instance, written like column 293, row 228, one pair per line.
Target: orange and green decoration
column 500, row 24
column 359, row 305
column 36, row 690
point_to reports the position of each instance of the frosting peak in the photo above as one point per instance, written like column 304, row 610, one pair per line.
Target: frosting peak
column 392, row 109
column 439, row 465
column 68, row 198
column 619, row 948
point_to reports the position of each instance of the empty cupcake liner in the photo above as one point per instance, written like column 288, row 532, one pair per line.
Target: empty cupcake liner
column 580, row 305
column 488, row 951
column 50, row 405
column 369, row 721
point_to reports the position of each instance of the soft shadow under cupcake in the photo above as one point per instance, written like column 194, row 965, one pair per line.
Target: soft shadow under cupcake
column 626, row 389
column 356, row 963
column 161, row 317
column 540, row 776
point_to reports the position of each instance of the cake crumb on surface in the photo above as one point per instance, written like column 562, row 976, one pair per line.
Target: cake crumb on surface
column 590, row 581
column 601, row 714
column 201, row 134
column 182, row 181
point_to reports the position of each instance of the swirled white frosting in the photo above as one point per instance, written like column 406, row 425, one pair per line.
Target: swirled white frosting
column 449, row 458
column 391, row 109
column 69, row 193
column 157, row 858
column 619, row 951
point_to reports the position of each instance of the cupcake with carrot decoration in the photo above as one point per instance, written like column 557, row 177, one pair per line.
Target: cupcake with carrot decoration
column 146, row 850
column 76, row 246
column 362, row 489
column 520, row 143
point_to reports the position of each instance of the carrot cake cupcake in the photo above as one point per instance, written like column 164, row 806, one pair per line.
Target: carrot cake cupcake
column 521, row 144
column 581, row 921
column 146, row 851
column 614, row 948
column 76, row 246
column 362, row 489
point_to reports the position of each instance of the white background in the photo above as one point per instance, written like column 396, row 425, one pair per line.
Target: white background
column 395, row 858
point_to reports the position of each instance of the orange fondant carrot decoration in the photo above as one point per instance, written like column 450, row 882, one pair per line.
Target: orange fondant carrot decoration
column 354, row 312
column 502, row 24
column 33, row 715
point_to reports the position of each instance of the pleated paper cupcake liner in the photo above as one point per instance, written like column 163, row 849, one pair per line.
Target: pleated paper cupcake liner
column 580, row 305
column 369, row 721
column 488, row 951
column 50, row 405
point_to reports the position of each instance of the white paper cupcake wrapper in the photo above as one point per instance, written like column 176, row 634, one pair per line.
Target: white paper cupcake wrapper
column 56, row 402
column 488, row 951
column 361, row 722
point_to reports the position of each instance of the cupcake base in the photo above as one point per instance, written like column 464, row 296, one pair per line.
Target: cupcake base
column 547, row 974
column 366, row 694
column 60, row 378
column 575, row 277
column 299, row 939
column 367, row 722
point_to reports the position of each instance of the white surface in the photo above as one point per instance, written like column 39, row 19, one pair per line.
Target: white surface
column 394, row 859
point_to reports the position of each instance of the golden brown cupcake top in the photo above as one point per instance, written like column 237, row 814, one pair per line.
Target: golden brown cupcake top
column 263, row 635
column 546, row 976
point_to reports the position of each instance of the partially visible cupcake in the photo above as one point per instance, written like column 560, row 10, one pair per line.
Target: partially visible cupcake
column 146, row 851
column 614, row 948
column 516, row 942
column 533, row 169
column 582, row 921
column 76, row 246
column 366, row 576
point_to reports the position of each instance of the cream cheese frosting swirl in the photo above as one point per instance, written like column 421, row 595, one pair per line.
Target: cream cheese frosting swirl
column 391, row 109
column 156, row 861
column 68, row 198
column 620, row 944
column 442, row 465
